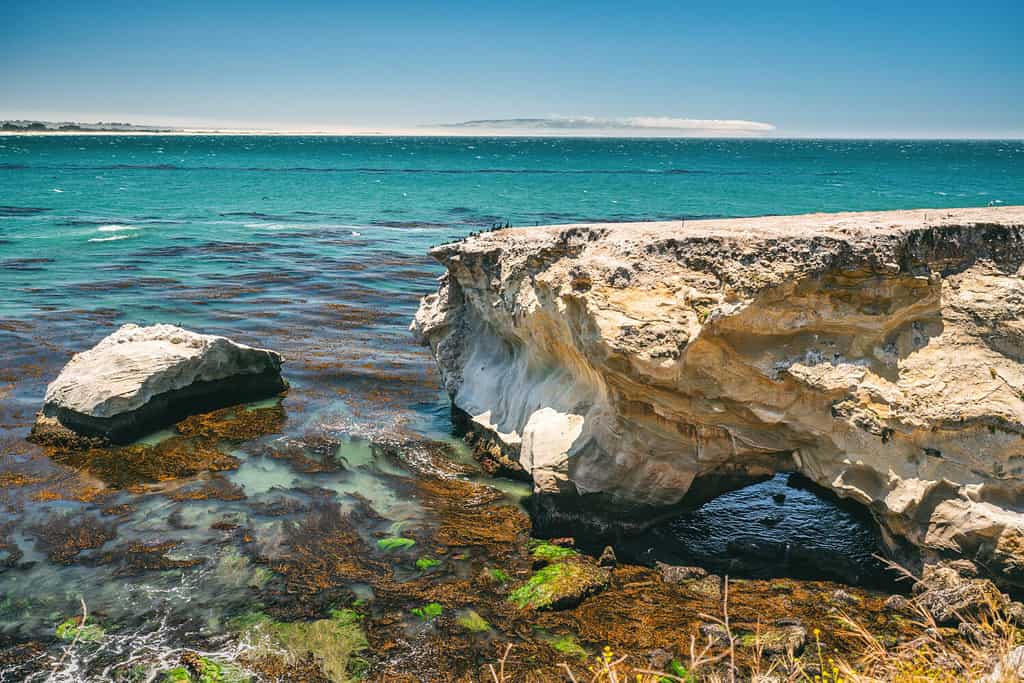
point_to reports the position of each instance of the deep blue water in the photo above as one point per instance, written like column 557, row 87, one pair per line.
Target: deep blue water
column 316, row 246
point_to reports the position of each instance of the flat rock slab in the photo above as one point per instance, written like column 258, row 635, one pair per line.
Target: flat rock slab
column 140, row 379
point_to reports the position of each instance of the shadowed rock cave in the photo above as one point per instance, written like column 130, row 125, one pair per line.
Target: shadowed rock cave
column 783, row 526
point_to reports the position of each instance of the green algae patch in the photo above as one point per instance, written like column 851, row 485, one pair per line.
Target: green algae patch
column 473, row 622
column 568, row 646
column 335, row 643
column 395, row 543
column 74, row 629
column 424, row 563
column 178, row 674
column 560, row 586
column 498, row 575
column 431, row 610
column 199, row 669
column 549, row 552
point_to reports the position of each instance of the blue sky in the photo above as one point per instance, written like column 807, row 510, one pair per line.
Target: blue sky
column 935, row 69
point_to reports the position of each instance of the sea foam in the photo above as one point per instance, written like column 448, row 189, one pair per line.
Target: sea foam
column 115, row 228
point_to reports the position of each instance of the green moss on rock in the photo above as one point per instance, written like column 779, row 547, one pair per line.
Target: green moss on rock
column 473, row 622
column 548, row 552
column 560, row 585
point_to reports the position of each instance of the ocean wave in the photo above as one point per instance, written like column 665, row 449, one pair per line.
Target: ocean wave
column 383, row 170
column 109, row 239
column 116, row 227
column 21, row 210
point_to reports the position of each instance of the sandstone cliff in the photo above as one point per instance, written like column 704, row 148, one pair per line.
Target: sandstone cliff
column 879, row 354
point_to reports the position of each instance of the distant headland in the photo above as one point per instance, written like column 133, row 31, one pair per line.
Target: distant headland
column 29, row 126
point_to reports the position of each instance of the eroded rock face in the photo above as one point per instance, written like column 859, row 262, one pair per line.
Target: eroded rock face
column 879, row 354
column 139, row 379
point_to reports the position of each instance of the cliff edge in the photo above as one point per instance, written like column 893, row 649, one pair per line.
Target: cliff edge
column 879, row 354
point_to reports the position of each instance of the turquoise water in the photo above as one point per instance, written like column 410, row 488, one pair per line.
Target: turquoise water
column 316, row 247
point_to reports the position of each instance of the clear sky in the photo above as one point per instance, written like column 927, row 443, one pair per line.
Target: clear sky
column 888, row 69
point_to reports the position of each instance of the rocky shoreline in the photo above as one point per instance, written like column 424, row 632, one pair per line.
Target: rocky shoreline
column 631, row 368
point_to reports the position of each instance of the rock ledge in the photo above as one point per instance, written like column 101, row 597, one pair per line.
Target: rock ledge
column 879, row 354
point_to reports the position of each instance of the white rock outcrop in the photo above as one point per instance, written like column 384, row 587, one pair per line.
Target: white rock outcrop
column 141, row 378
column 879, row 354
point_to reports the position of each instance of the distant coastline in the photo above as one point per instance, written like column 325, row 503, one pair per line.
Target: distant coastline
column 23, row 127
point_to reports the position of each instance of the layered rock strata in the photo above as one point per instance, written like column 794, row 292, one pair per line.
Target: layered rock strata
column 140, row 379
column 643, row 365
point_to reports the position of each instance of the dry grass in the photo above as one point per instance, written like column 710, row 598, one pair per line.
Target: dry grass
column 935, row 654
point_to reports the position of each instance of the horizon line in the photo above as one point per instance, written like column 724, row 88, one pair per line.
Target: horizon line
column 405, row 133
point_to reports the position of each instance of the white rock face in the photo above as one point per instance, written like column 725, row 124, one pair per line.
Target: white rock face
column 126, row 380
column 879, row 354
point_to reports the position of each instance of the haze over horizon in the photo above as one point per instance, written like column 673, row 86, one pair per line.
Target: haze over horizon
column 785, row 70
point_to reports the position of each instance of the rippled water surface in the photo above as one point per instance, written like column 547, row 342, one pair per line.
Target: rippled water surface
column 316, row 247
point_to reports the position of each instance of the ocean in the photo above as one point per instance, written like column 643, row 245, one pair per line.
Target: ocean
column 317, row 247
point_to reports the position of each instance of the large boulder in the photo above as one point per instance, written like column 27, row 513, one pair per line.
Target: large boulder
column 140, row 379
column 656, row 364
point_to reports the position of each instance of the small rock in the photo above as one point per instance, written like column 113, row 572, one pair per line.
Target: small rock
column 779, row 498
column 896, row 603
column 671, row 573
column 964, row 568
column 659, row 659
column 715, row 634
column 781, row 639
column 607, row 558
column 951, row 598
column 710, row 586
column 563, row 541
column 841, row 597
column 1009, row 668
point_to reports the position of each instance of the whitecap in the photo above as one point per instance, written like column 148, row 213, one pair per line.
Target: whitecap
column 356, row 234
column 115, row 227
column 109, row 239
column 57, row 189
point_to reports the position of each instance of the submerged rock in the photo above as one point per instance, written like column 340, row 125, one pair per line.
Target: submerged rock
column 140, row 379
column 878, row 354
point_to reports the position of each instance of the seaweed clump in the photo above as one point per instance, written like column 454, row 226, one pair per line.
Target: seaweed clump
column 236, row 423
column 63, row 537
column 198, row 669
column 334, row 643
column 139, row 464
